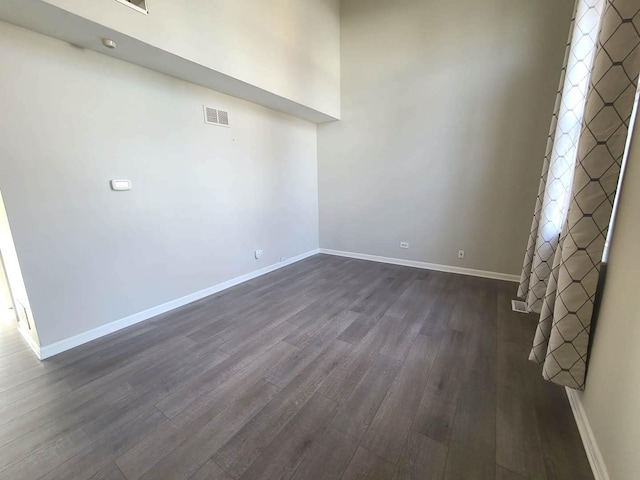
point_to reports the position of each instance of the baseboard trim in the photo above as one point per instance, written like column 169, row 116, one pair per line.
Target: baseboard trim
column 426, row 266
column 30, row 341
column 48, row 351
column 594, row 455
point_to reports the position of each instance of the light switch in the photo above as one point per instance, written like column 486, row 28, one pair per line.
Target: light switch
column 120, row 185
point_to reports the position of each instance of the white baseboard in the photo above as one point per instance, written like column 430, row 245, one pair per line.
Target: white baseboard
column 427, row 266
column 29, row 339
column 594, row 455
column 48, row 351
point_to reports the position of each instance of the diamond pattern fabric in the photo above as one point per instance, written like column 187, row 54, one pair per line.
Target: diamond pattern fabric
column 566, row 307
column 559, row 161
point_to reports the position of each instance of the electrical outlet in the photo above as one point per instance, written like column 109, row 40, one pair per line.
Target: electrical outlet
column 283, row 259
column 404, row 244
column 259, row 253
column 460, row 253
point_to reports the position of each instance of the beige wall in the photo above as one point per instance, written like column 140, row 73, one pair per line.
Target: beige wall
column 290, row 48
column 445, row 113
column 203, row 199
column 612, row 397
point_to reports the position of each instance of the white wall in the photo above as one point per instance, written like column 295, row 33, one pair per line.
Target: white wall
column 204, row 197
column 290, row 48
column 611, row 399
column 446, row 107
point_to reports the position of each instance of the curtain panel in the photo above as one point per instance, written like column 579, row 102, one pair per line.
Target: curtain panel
column 580, row 177
column 552, row 203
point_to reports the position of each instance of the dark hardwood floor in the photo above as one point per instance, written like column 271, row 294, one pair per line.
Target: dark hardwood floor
column 330, row 368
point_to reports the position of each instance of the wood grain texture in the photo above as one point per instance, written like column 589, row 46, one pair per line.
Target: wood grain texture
column 283, row 455
column 422, row 459
column 387, row 432
column 506, row 474
column 210, row 471
column 110, row 472
column 355, row 415
column 327, row 458
column 329, row 369
column 368, row 466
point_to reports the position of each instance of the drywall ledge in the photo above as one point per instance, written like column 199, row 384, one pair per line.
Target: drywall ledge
column 55, row 22
column 424, row 265
column 48, row 351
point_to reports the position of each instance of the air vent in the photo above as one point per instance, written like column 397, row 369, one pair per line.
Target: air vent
column 519, row 306
column 223, row 118
column 216, row 117
column 210, row 115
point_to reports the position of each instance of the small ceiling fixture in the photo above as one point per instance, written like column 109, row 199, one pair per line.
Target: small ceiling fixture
column 107, row 42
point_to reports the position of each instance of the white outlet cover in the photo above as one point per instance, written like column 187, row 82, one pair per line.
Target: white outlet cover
column 259, row 253
column 460, row 253
column 404, row 244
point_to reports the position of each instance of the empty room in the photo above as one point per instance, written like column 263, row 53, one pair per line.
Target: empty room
column 319, row 239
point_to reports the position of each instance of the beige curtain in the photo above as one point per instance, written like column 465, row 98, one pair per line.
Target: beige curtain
column 579, row 182
column 560, row 156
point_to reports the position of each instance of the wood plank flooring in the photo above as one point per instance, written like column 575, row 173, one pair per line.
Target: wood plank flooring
column 328, row 369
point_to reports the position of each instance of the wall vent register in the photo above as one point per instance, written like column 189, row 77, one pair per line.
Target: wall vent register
column 213, row 116
column 138, row 5
column 519, row 306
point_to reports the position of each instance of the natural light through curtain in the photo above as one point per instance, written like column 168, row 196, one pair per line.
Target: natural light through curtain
column 557, row 175
column 567, row 295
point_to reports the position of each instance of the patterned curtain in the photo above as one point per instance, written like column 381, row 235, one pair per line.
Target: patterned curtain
column 560, row 156
column 577, row 190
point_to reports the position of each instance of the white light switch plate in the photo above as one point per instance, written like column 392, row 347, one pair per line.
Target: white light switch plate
column 120, row 185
